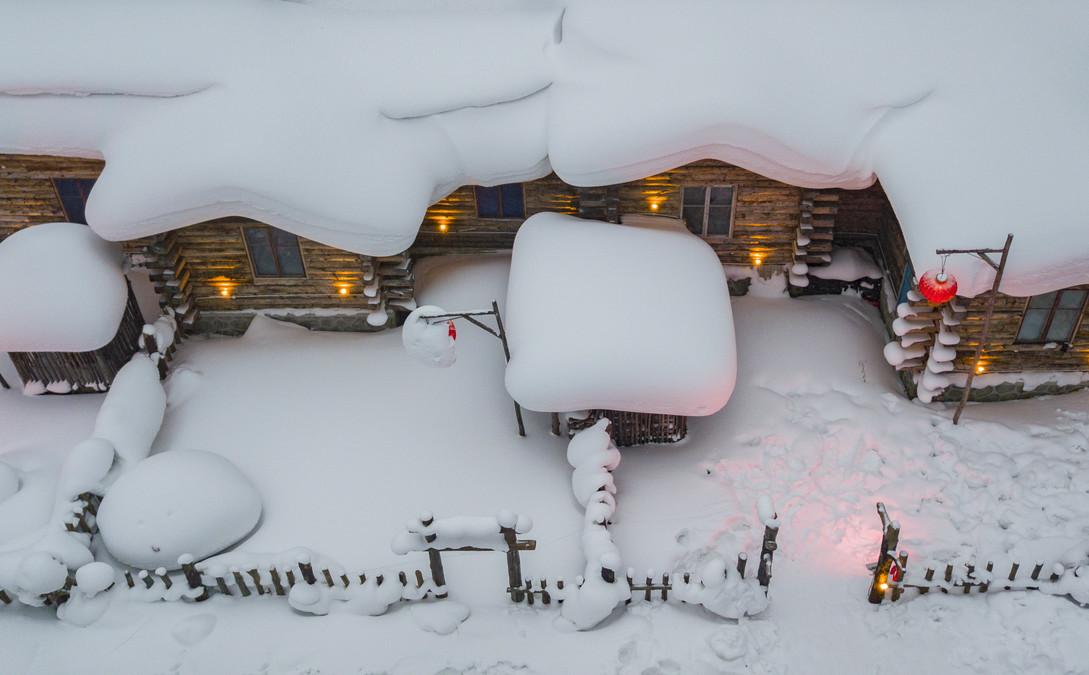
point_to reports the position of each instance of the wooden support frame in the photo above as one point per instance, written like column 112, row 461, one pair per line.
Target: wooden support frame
column 499, row 332
column 999, row 268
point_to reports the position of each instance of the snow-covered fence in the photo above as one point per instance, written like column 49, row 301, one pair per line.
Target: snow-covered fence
column 892, row 576
column 476, row 533
column 594, row 595
column 159, row 340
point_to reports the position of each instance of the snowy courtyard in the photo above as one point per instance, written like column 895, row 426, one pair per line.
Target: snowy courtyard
column 346, row 438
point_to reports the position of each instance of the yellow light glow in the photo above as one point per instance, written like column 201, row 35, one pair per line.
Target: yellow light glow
column 980, row 369
column 882, row 587
column 654, row 206
column 757, row 260
column 225, row 292
column 343, row 290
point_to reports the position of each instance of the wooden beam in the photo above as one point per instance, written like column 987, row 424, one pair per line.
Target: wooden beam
column 1000, row 270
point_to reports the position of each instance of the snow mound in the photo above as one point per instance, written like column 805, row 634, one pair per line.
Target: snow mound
column 442, row 617
column 428, row 343
column 848, row 264
column 61, row 289
column 179, row 502
column 9, row 481
column 133, row 411
column 585, row 319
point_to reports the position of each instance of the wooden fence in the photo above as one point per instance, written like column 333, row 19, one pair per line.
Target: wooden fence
column 892, row 576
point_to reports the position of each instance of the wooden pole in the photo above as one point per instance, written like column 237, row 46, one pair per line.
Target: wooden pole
column 986, row 329
column 506, row 353
column 514, row 564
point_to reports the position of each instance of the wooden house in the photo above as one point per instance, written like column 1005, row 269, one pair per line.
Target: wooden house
column 217, row 275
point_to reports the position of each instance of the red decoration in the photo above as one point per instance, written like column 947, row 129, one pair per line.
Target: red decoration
column 451, row 330
column 938, row 287
column 895, row 573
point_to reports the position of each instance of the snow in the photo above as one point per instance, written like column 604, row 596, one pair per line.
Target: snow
column 458, row 532
column 817, row 422
column 9, row 481
column 606, row 316
column 404, row 117
column 848, row 264
column 442, row 618
column 429, row 343
column 133, row 411
column 61, row 290
column 181, row 502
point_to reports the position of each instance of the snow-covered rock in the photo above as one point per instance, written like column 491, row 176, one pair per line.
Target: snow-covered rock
column 178, row 502
column 61, row 289
column 133, row 411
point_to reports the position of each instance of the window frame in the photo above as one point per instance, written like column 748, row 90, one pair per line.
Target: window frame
column 81, row 183
column 259, row 278
column 499, row 197
column 1046, row 328
column 707, row 187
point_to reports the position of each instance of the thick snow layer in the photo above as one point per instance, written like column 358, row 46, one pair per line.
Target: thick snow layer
column 376, row 438
column 935, row 99
column 619, row 317
column 376, row 114
column 429, row 343
column 61, row 289
column 848, row 264
column 175, row 503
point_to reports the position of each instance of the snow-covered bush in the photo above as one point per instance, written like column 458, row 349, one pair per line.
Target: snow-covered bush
column 428, row 343
column 175, row 503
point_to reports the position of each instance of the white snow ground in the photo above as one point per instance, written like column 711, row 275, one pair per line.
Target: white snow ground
column 346, row 438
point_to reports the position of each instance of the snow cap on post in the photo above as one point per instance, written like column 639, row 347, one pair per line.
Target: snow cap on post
column 429, row 343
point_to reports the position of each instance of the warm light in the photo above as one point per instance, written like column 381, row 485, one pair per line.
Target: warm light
column 757, row 260
column 343, row 290
column 980, row 369
column 882, row 587
column 225, row 292
column 444, row 224
column 654, row 206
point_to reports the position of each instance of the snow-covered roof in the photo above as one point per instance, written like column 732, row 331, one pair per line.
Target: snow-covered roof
column 380, row 112
column 62, row 289
column 620, row 317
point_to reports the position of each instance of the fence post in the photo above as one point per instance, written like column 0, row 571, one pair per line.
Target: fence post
column 514, row 564
column 767, row 552
column 890, row 539
column 434, row 557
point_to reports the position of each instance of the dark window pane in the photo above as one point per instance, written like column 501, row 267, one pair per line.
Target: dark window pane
column 693, row 217
column 487, row 202
column 693, row 196
column 1062, row 325
column 722, row 196
column 1072, row 299
column 73, row 196
column 261, row 254
column 1044, row 301
column 718, row 221
column 513, row 200
column 1032, row 327
column 287, row 253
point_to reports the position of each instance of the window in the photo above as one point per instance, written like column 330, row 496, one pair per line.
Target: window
column 708, row 211
column 1052, row 317
column 501, row 201
column 72, row 193
column 273, row 253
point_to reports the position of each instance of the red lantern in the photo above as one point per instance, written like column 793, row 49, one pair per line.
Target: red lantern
column 938, row 287
column 451, row 330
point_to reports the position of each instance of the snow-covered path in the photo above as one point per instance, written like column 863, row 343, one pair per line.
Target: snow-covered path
column 346, row 439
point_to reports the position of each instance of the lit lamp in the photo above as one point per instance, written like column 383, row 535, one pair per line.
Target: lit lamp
column 654, row 206
column 444, row 224
column 757, row 260
column 980, row 368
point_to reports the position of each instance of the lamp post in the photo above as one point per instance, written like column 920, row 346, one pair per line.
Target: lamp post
column 999, row 268
column 498, row 331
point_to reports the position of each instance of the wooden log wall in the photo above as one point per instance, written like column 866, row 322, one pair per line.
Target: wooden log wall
column 27, row 196
column 766, row 212
column 865, row 218
column 452, row 226
column 1002, row 353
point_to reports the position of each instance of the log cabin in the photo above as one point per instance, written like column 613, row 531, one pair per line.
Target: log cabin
column 217, row 275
